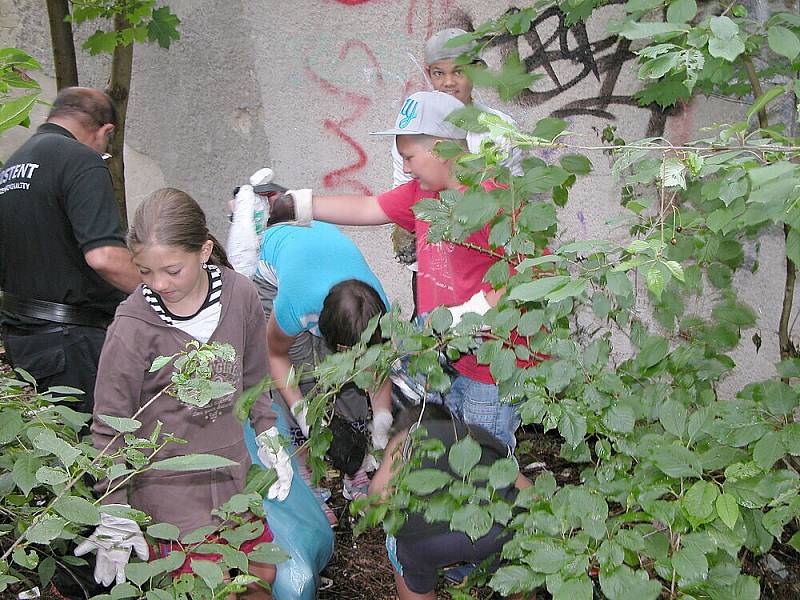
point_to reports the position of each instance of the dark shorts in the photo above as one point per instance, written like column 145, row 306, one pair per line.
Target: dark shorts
column 418, row 561
column 58, row 355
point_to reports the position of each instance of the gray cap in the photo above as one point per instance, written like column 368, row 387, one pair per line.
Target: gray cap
column 435, row 46
column 424, row 113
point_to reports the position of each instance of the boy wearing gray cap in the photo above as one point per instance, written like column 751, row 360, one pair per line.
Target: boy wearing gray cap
column 450, row 274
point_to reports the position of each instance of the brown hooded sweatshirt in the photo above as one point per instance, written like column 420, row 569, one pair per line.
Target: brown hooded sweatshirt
column 124, row 384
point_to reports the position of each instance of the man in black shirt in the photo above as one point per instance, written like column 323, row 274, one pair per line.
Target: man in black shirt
column 64, row 266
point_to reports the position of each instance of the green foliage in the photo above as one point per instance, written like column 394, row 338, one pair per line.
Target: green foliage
column 18, row 91
column 50, row 508
column 140, row 22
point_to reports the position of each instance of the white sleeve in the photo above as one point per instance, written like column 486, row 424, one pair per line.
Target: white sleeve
column 399, row 177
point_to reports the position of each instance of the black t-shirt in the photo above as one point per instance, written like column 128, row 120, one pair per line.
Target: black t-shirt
column 56, row 203
column 449, row 432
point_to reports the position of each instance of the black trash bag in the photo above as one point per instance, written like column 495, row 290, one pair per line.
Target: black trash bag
column 348, row 446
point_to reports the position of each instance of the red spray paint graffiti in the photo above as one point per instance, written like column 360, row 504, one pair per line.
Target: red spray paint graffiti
column 343, row 177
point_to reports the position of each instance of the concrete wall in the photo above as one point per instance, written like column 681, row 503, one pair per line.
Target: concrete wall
column 299, row 85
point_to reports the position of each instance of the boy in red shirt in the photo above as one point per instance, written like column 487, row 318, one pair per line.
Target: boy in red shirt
column 450, row 274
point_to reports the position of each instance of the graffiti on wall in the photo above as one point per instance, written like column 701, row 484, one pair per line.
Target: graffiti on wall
column 568, row 57
column 346, row 176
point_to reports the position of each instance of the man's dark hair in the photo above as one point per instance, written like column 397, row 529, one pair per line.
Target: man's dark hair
column 346, row 312
column 92, row 108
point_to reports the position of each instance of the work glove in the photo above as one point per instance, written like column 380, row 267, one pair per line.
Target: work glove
column 300, row 415
column 274, row 456
column 380, row 426
column 113, row 540
column 477, row 304
column 243, row 244
column 295, row 207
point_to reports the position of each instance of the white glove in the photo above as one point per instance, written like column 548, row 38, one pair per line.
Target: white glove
column 303, row 206
column 300, row 415
column 381, row 424
column 370, row 463
column 476, row 304
column 113, row 539
column 274, row 456
column 243, row 245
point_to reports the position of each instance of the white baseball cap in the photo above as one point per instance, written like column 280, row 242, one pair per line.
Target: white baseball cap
column 424, row 113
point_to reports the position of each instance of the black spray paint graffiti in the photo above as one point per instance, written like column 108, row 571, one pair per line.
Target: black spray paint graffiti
column 568, row 57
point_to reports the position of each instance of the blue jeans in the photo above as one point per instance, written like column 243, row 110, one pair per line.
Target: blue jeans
column 479, row 404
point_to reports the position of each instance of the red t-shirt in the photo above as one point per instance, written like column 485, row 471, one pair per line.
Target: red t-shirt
column 449, row 274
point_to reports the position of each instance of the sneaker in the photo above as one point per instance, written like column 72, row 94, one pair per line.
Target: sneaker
column 357, row 486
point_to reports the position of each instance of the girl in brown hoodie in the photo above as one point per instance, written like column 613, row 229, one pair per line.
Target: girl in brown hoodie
column 189, row 292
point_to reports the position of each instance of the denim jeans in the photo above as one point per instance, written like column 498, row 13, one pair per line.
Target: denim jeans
column 479, row 404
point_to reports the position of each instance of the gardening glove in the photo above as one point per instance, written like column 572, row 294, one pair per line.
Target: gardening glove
column 243, row 243
column 370, row 463
column 300, row 415
column 295, row 207
column 113, row 540
column 476, row 304
column 380, row 426
column 274, row 456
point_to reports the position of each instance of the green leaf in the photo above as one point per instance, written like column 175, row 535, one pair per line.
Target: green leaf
column 572, row 426
column 673, row 417
column 503, row 473
column 789, row 367
column 24, row 472
column 783, row 41
column 634, row 30
column 48, row 442
column 268, row 553
column 101, row 41
column 677, row 461
column 139, row 572
column 193, row 462
column 573, row 288
column 681, row 11
column 209, row 572
column 729, row 49
column 653, row 350
column 160, row 362
column 503, row 364
column 121, row 424
column 536, row 290
column 727, row 509
column 576, row 163
column 512, row 579
column 690, row 563
column 575, row 589
column 699, row 500
column 620, row 418
column 46, row 530
column 14, row 112
column 26, row 560
column 768, row 450
column 164, row 531
column 618, row 283
column 11, row 425
column 538, row 216
column 547, row 558
column 655, row 280
column 724, row 27
column 46, row 570
column 473, row 520
column 124, row 590
column 426, row 481
column 549, row 128
column 463, row 455
column 766, row 98
column 164, row 27
column 77, row 510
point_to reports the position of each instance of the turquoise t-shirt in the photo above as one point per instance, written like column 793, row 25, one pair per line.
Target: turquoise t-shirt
column 304, row 263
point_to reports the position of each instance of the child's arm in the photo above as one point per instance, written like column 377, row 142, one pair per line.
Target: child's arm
column 522, row 482
column 381, row 478
column 298, row 206
column 278, row 344
column 254, row 361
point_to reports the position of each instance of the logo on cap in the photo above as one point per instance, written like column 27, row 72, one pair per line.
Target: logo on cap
column 409, row 111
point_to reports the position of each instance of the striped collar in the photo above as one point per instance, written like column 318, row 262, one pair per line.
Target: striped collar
column 212, row 298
